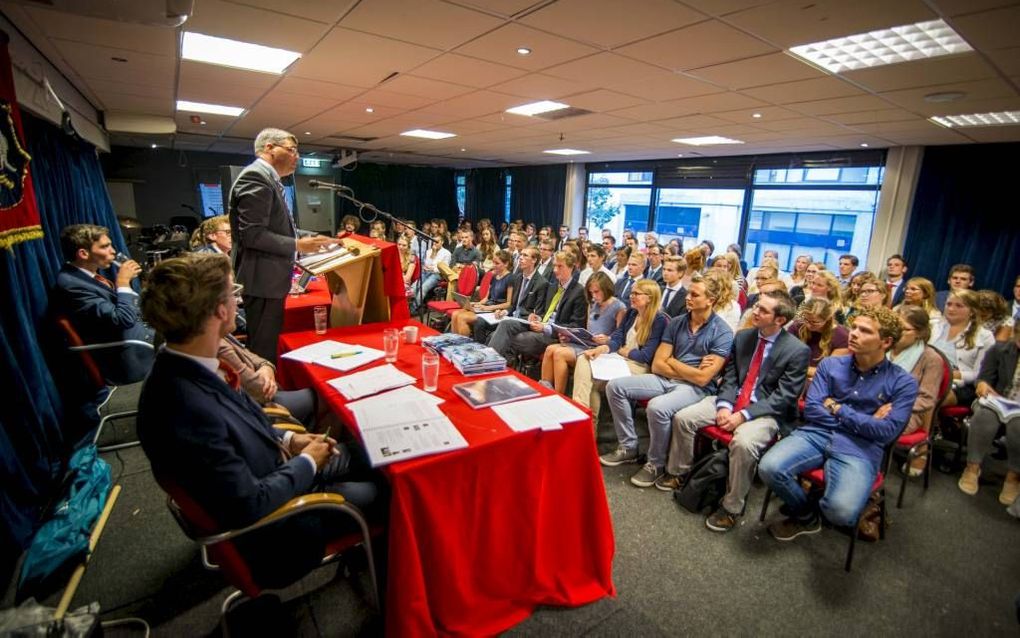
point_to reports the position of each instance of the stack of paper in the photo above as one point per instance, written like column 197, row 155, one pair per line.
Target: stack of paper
column 336, row 355
column 404, row 424
column 546, row 413
column 610, row 366
column 371, row 381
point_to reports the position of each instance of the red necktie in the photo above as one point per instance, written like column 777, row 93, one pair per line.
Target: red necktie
column 744, row 398
column 103, row 280
column 230, row 376
column 891, row 287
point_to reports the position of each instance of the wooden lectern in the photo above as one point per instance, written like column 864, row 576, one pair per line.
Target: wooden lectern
column 355, row 279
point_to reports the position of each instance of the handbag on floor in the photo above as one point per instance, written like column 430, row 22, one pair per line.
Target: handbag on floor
column 706, row 483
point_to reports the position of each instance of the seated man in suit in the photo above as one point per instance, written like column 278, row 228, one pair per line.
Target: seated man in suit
column 564, row 303
column 654, row 269
column 528, row 291
column 855, row 406
column 674, row 295
column 763, row 377
column 213, row 441
column 624, row 283
column 102, row 310
column 213, row 236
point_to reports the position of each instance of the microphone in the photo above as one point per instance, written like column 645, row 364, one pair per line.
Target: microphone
column 314, row 183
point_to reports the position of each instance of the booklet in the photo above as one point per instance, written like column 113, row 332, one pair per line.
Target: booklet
column 1005, row 408
column 494, row 391
column 579, row 336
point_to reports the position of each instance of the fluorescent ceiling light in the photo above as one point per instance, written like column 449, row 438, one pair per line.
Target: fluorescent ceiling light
column 535, row 108
column 566, row 151
column 233, row 53
column 919, row 41
column 429, row 135
column 215, row 109
column 1001, row 118
column 708, row 140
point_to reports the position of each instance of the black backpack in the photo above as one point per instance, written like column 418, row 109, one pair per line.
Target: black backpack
column 706, row 482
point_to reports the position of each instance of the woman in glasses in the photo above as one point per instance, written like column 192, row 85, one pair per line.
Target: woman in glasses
column 816, row 326
column 605, row 312
column 920, row 292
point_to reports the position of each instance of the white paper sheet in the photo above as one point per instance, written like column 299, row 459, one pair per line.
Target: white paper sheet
column 608, row 367
column 395, row 407
column 313, row 351
column 412, row 439
column 371, row 381
column 546, row 413
column 343, row 364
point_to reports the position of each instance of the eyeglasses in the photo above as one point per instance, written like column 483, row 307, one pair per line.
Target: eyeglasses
column 290, row 149
column 236, row 289
column 868, row 291
column 635, row 293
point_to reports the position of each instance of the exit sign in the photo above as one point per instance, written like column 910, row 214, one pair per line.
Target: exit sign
column 309, row 162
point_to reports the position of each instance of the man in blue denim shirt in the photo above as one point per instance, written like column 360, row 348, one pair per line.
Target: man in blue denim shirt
column 857, row 404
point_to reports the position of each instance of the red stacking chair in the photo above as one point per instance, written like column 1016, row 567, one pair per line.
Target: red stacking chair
column 816, row 478
column 219, row 552
column 919, row 440
column 466, row 282
column 742, row 300
column 95, row 376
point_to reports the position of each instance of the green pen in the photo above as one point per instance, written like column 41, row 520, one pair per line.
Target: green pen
column 341, row 355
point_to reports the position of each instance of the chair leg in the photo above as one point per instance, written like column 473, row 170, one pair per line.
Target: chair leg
column 765, row 504
column 850, row 551
column 903, row 485
column 225, row 607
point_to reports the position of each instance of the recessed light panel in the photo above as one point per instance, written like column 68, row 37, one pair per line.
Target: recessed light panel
column 708, row 140
column 428, row 135
column 214, row 109
column 237, row 54
column 1001, row 118
column 566, row 151
column 919, row 41
column 535, row 108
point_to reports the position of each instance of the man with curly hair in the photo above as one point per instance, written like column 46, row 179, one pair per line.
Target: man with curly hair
column 856, row 405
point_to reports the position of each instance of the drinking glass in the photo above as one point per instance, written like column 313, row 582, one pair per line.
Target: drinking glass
column 391, row 344
column 430, row 370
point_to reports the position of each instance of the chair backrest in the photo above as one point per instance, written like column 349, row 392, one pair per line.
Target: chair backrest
column 467, row 280
column 483, row 288
column 742, row 300
column 417, row 269
column 947, row 378
column 73, row 340
column 195, row 522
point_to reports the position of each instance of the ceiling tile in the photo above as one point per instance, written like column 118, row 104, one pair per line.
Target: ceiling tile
column 250, row 24
column 722, row 7
column 840, row 105
column 996, row 29
column 219, row 85
column 582, row 123
column 540, row 87
column 603, row 69
column 792, row 22
column 711, row 104
column 707, row 43
column 602, row 100
column 138, row 104
column 460, row 69
column 691, row 123
column 94, row 62
column 325, row 12
column 803, row 125
column 105, row 33
column 804, row 90
column 957, row 68
column 317, row 88
column 359, row 59
column 426, row 22
column 768, row 114
column 104, row 87
column 763, row 70
column 380, row 98
column 1006, row 60
column 501, row 46
column 610, row 23
column 962, row 7
column 982, row 90
column 473, row 105
column 424, row 88
column 665, row 86
column 990, row 134
column 873, row 117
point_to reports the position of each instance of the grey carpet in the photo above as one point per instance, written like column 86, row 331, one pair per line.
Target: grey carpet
column 949, row 566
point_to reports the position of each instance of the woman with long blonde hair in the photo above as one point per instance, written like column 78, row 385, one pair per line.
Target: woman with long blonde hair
column 816, row 326
column 920, row 292
column 824, row 284
column 636, row 339
column 963, row 339
column 726, row 304
column 487, row 246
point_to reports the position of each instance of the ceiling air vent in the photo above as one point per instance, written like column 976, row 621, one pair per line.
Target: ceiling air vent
column 562, row 113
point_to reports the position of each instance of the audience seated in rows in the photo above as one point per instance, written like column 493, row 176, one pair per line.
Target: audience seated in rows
column 961, row 277
column 498, row 298
column 964, row 341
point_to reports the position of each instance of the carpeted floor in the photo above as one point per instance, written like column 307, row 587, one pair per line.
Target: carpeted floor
column 950, row 566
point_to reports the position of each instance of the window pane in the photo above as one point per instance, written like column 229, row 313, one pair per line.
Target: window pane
column 620, row 178
column 857, row 176
column 616, row 209
column 820, row 223
column 698, row 214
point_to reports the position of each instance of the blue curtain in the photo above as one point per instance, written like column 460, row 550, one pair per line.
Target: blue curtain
column 485, row 195
column 964, row 213
column 408, row 192
column 69, row 189
column 537, row 194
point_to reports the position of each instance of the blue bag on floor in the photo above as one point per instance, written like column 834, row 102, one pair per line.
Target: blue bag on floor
column 63, row 541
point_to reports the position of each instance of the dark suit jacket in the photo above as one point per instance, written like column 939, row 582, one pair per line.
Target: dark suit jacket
column 655, row 276
column 780, row 379
column 534, row 295
column 101, row 315
column 546, row 270
column 216, row 444
column 999, row 365
column 618, row 289
column 677, row 303
column 572, row 309
column 263, row 233
column 897, row 298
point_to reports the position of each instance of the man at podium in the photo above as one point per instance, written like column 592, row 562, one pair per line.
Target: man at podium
column 266, row 238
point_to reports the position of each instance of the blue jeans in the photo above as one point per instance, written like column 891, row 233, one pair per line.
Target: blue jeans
column 848, row 479
column 428, row 282
column 666, row 398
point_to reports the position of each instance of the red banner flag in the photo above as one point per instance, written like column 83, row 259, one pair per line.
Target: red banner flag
column 19, row 215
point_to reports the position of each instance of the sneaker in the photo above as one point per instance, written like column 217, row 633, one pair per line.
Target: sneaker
column 619, row 456
column 669, row 482
column 1010, row 489
column 646, row 476
column 916, row 466
column 790, row 528
column 721, row 520
column 969, row 480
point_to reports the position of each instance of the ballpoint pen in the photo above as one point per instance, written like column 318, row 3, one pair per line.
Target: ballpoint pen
column 340, row 355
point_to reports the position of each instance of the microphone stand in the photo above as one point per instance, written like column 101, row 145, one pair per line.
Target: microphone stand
column 374, row 213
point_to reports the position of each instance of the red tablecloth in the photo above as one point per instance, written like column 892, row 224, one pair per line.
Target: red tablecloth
column 297, row 309
column 479, row 537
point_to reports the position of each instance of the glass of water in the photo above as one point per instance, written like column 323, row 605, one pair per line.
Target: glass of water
column 429, row 370
column 391, row 344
